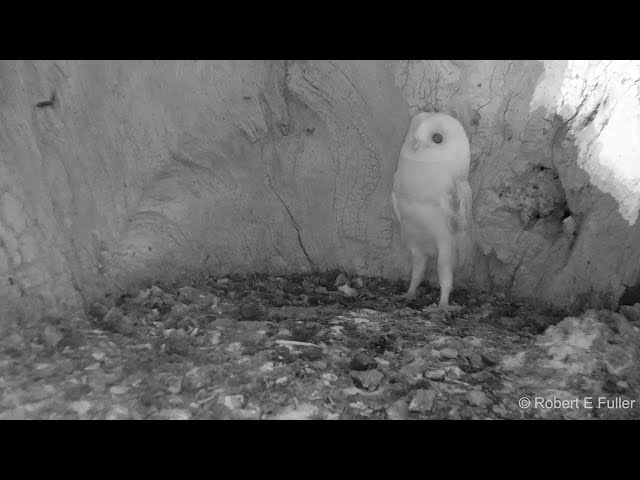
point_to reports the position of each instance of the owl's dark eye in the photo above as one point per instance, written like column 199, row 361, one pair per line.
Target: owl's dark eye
column 437, row 138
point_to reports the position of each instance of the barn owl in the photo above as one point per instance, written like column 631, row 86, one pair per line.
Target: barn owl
column 432, row 198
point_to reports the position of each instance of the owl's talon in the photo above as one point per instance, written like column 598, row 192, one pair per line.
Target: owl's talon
column 447, row 309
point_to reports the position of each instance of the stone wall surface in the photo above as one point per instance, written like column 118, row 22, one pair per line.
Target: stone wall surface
column 141, row 170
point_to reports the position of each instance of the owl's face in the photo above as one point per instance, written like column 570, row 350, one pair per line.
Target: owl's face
column 436, row 137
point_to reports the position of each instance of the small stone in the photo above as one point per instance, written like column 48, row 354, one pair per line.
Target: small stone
column 125, row 327
column 251, row 311
column 293, row 288
column 214, row 338
column 72, row 339
column 119, row 390
column 348, row 291
column 176, row 345
column 185, row 322
column 336, row 330
column 303, row 411
column 569, row 225
column 97, row 310
column 321, row 289
column 362, row 362
column 98, row 356
column 513, row 362
column 267, row 367
column 436, row 375
column 18, row 413
column 283, row 333
column 246, row 414
column 454, row 414
column 341, row 280
column 118, row 412
column 178, row 311
column 149, row 399
column 623, row 386
column 174, row 414
column 500, row 411
column 112, row 317
column 282, row 380
column 490, row 359
column 448, row 352
column 224, row 322
column 189, row 294
column 168, row 299
column 75, row 392
column 156, row 291
column 382, row 362
column 15, row 341
column 116, row 321
column 369, row 380
column 398, row 411
column 617, row 359
column 478, row 398
column 81, row 407
column 235, row 347
column 40, row 392
column 170, row 383
column 473, row 341
column 97, row 382
column 222, row 281
column 311, row 353
column 415, row 369
column 329, row 377
column 475, row 360
column 51, row 336
column 195, row 379
column 305, row 332
column 44, row 370
column 143, row 295
column 423, row 401
column 233, row 402
column 631, row 312
column 209, row 299
column 453, row 371
column 611, row 386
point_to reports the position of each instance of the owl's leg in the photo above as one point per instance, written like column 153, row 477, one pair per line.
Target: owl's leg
column 418, row 262
column 445, row 271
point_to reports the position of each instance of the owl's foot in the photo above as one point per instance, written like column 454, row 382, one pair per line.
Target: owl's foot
column 443, row 308
column 446, row 307
column 409, row 296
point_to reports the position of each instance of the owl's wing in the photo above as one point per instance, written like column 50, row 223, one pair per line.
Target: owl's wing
column 457, row 205
column 394, row 202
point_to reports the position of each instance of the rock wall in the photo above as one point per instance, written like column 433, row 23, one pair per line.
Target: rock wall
column 140, row 170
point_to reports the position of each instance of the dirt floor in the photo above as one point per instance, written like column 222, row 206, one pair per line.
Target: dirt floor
column 320, row 346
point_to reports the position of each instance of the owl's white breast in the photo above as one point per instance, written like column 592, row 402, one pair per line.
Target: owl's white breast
column 423, row 182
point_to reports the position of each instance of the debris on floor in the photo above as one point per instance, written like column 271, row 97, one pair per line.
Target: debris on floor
column 320, row 346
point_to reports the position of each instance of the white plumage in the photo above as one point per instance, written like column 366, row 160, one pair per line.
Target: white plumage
column 432, row 198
